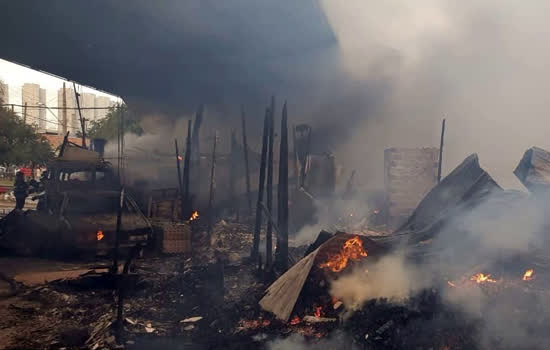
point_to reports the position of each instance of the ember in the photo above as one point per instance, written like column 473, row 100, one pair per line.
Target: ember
column 352, row 249
column 318, row 310
column 295, row 320
column 253, row 324
column 99, row 235
column 194, row 216
column 481, row 278
column 528, row 275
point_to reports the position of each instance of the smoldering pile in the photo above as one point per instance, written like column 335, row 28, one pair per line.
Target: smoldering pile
column 469, row 269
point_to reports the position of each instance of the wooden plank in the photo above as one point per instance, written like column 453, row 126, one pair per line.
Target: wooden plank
column 282, row 295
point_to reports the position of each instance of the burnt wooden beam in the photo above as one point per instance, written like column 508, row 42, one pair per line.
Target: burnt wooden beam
column 261, row 182
column 233, row 175
column 114, row 268
column 178, row 165
column 269, row 230
column 282, row 214
column 441, row 152
column 186, row 173
column 212, row 188
column 246, row 168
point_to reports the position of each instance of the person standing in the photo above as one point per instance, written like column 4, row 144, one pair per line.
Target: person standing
column 20, row 190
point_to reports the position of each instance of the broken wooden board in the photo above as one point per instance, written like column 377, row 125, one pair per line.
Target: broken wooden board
column 281, row 296
column 533, row 169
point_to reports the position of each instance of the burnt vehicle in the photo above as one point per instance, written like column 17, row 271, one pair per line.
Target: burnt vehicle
column 76, row 211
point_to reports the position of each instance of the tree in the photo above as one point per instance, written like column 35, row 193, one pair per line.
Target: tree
column 108, row 127
column 19, row 142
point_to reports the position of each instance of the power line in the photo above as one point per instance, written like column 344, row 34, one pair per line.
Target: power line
column 42, row 107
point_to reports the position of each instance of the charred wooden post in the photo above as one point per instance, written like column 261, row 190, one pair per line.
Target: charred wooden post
column 269, row 230
column 246, row 168
column 117, row 232
column 195, row 148
column 212, row 188
column 233, row 175
column 195, row 155
column 441, row 152
column 282, row 247
column 261, row 182
column 306, row 156
column 186, row 174
column 182, row 199
column 122, row 285
column 295, row 159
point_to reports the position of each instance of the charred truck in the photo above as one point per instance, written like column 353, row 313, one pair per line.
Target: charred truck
column 76, row 211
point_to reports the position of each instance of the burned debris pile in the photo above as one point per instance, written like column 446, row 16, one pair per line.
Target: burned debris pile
column 467, row 269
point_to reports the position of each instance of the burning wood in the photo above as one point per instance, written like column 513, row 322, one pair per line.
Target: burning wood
column 352, row 249
column 528, row 275
column 194, row 216
column 481, row 278
column 295, row 320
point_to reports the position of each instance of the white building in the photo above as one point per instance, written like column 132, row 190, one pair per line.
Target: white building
column 43, row 93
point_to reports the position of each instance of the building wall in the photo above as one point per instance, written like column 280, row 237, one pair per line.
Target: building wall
column 87, row 100
column 30, row 95
column 73, row 122
column 410, row 173
column 102, row 101
column 4, row 93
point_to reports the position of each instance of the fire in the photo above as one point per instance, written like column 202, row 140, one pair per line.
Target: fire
column 194, row 216
column 99, row 235
column 295, row 320
column 352, row 249
column 317, row 312
column 481, row 278
column 451, row 284
column 528, row 275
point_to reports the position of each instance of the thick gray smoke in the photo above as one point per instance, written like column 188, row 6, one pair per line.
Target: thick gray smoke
column 480, row 64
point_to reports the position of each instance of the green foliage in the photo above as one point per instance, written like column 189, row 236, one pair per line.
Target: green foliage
column 107, row 128
column 19, row 142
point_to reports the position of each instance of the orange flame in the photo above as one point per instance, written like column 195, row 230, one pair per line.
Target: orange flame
column 352, row 249
column 295, row 320
column 318, row 310
column 528, row 275
column 99, row 235
column 194, row 216
column 481, row 278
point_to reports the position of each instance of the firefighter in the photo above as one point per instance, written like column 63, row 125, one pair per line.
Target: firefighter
column 20, row 190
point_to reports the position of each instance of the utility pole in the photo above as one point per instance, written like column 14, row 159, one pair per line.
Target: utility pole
column 441, row 152
column 82, row 121
column 25, row 113
column 64, row 120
